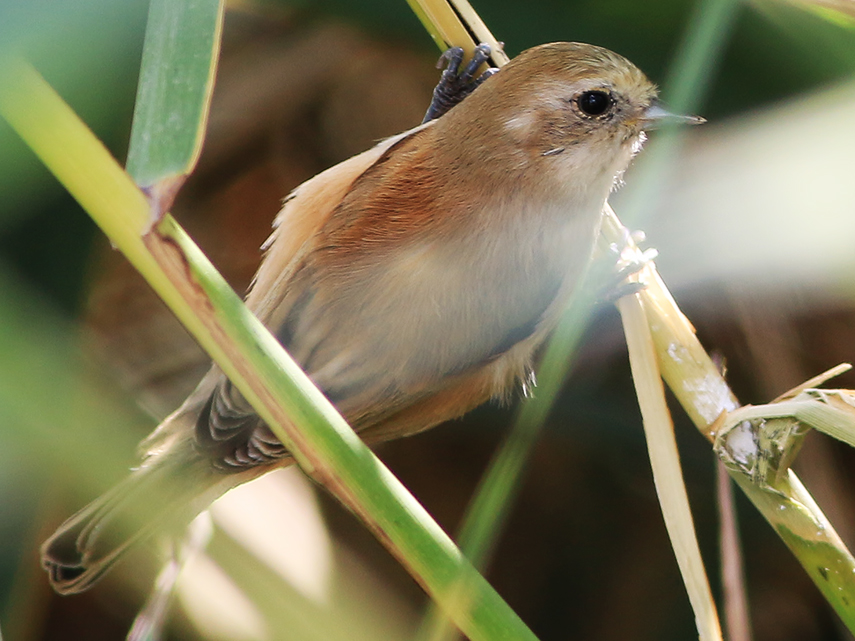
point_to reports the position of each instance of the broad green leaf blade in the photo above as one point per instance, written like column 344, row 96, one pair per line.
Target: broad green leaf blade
column 182, row 43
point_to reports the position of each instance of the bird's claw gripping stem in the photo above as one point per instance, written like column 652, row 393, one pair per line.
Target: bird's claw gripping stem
column 455, row 84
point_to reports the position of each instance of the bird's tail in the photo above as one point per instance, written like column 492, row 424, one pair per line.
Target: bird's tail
column 166, row 492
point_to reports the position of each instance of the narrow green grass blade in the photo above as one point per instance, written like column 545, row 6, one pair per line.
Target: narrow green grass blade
column 182, row 43
column 692, row 71
column 698, row 55
column 491, row 505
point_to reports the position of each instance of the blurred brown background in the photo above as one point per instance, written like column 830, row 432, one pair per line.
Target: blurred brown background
column 302, row 86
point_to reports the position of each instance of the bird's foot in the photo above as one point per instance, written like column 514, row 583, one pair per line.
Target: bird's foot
column 455, row 84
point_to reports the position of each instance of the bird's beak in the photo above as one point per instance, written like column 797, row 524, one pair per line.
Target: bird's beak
column 655, row 117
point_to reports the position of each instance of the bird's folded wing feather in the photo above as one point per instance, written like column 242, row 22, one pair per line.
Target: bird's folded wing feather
column 360, row 297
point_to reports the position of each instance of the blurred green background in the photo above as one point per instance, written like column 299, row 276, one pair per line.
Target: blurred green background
column 752, row 215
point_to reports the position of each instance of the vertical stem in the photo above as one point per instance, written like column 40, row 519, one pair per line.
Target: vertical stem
column 665, row 462
column 737, row 621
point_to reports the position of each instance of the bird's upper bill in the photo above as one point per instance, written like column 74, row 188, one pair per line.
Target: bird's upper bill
column 655, row 116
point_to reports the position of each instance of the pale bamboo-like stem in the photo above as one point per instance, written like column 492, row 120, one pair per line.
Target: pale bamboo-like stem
column 480, row 30
column 445, row 26
column 665, row 463
column 699, row 387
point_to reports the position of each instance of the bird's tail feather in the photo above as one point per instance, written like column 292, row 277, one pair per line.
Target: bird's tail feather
column 168, row 491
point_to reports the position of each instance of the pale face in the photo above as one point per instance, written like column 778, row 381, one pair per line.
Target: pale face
column 563, row 114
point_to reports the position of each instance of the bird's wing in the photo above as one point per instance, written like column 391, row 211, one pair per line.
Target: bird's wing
column 226, row 418
column 383, row 311
column 295, row 231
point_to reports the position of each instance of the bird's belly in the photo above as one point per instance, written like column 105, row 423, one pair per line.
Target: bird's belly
column 437, row 309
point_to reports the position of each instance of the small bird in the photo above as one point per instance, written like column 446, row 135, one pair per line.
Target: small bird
column 412, row 283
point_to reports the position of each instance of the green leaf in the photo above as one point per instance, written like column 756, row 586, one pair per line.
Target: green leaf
column 182, row 43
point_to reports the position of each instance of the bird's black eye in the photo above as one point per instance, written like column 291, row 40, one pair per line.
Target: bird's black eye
column 594, row 103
